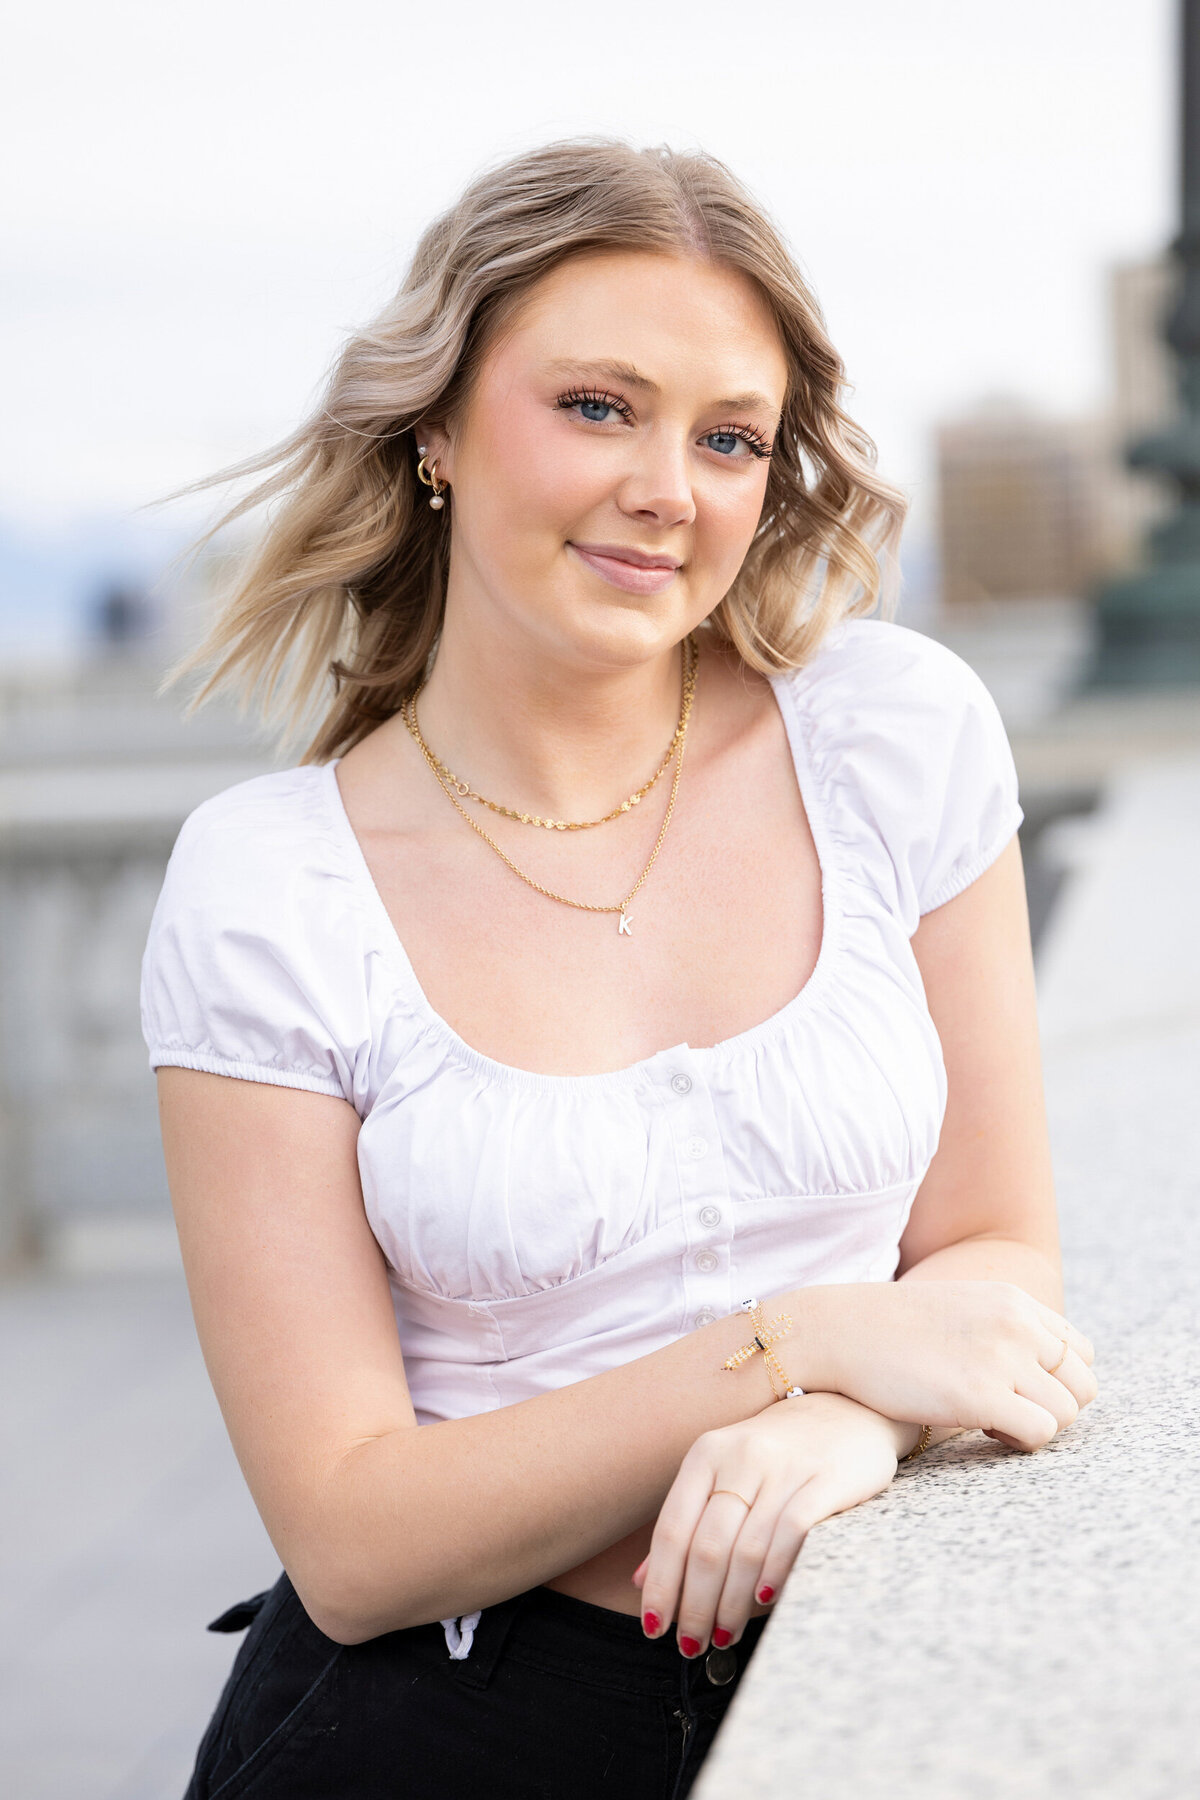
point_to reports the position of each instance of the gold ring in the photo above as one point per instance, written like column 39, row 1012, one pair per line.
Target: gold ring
column 1061, row 1360
column 732, row 1491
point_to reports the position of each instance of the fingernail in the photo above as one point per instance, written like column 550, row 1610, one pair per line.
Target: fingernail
column 690, row 1646
column 765, row 1594
column 721, row 1637
column 651, row 1624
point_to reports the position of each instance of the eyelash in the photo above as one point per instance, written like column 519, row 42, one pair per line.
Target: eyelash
column 759, row 445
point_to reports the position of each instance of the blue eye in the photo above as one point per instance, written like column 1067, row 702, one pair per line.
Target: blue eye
column 593, row 406
column 724, row 442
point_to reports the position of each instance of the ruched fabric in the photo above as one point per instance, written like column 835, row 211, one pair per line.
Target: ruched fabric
column 539, row 1228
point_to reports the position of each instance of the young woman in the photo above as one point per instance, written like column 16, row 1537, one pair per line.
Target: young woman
column 642, row 934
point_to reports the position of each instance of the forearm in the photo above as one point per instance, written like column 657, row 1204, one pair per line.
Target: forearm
column 982, row 1258
column 432, row 1521
column 994, row 1258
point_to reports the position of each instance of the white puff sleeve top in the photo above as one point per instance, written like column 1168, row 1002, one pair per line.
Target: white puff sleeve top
column 542, row 1228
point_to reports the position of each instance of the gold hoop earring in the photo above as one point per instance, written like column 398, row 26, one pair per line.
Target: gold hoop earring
column 429, row 476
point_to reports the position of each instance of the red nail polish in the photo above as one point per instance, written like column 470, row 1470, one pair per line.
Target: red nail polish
column 765, row 1594
column 690, row 1646
column 721, row 1637
column 651, row 1624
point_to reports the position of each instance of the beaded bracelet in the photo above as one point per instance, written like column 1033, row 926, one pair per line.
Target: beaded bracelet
column 765, row 1338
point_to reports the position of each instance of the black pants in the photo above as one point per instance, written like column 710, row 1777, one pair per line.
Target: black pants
column 558, row 1700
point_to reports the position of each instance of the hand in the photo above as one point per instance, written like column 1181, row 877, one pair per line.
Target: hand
column 712, row 1556
column 975, row 1354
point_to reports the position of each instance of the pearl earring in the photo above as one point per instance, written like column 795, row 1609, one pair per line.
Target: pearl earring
column 430, row 477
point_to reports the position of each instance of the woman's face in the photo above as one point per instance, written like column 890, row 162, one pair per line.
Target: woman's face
column 609, row 468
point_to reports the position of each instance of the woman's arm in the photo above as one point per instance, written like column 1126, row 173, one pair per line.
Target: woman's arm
column 382, row 1524
column 985, row 1210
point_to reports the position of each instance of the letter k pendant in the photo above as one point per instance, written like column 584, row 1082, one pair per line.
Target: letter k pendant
column 623, row 925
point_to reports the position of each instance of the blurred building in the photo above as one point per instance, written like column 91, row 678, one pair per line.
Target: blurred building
column 1021, row 504
column 1032, row 506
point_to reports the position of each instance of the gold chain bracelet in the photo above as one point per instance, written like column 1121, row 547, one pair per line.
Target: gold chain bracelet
column 765, row 1338
column 922, row 1443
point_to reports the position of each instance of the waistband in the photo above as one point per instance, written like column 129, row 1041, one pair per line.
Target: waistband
column 561, row 1635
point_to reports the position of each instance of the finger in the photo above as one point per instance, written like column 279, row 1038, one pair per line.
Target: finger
column 1048, row 1391
column 1062, row 1328
column 1077, row 1377
column 744, row 1575
column 707, row 1567
column 1028, row 1424
column 804, row 1510
column 674, row 1530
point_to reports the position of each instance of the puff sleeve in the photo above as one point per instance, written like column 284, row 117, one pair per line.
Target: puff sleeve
column 914, row 762
column 246, row 970
column 972, row 808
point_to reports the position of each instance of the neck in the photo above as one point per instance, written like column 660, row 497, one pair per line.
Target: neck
column 544, row 733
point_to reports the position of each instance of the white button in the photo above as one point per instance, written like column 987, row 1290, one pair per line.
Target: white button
column 696, row 1148
column 710, row 1215
column 705, row 1318
column 707, row 1261
column 682, row 1084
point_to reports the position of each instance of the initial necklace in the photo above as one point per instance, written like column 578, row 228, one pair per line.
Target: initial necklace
column 450, row 787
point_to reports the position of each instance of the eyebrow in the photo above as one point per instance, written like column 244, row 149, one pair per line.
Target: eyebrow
column 628, row 376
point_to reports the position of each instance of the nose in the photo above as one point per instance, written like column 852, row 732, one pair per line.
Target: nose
column 658, row 488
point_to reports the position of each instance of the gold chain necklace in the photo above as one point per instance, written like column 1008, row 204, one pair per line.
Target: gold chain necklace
column 466, row 792
column 408, row 712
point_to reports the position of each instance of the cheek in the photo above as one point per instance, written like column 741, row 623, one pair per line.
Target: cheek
column 726, row 519
column 533, row 476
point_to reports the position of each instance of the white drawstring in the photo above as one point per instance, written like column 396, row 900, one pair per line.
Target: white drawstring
column 458, row 1643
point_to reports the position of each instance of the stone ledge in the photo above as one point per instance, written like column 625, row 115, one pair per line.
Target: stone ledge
column 1002, row 1625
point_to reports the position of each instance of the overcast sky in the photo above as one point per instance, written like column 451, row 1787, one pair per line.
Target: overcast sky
column 207, row 196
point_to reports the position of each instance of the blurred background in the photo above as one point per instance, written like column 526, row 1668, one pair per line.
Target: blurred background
column 202, row 200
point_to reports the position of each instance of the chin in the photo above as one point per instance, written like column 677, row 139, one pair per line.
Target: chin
column 624, row 633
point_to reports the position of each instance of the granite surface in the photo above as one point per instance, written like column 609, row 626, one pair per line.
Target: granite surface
column 1000, row 1625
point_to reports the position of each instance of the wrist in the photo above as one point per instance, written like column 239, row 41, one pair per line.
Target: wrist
column 899, row 1435
column 905, row 1436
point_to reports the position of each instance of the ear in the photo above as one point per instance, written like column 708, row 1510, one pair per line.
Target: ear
column 435, row 439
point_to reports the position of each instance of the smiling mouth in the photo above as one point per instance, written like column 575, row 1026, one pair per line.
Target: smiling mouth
column 637, row 571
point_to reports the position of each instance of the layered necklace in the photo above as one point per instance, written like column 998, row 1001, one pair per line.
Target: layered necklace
column 457, row 791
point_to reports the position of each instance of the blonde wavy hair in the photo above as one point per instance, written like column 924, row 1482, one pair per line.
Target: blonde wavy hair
column 334, row 614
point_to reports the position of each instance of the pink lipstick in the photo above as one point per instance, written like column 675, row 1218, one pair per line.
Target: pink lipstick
column 637, row 571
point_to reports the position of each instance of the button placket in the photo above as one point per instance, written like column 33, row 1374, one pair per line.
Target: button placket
column 705, row 1270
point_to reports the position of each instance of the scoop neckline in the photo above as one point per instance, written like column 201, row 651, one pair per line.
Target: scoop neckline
column 773, row 1026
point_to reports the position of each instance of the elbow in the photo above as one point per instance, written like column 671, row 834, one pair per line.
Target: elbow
column 351, row 1599
column 346, row 1611
column 342, row 1626
column 358, row 1577
column 331, row 1604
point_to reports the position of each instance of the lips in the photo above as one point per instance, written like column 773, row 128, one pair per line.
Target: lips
column 637, row 571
